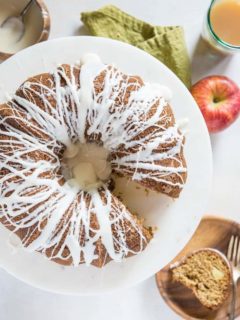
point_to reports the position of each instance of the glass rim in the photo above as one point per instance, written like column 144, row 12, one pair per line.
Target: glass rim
column 215, row 36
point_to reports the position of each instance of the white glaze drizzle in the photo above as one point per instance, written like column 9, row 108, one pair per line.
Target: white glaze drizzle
column 57, row 128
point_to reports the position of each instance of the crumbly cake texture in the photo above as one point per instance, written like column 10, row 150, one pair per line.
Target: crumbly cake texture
column 208, row 275
column 87, row 103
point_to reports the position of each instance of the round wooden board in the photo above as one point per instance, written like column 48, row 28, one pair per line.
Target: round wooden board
column 213, row 232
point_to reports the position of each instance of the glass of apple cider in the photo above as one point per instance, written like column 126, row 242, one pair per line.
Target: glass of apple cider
column 222, row 26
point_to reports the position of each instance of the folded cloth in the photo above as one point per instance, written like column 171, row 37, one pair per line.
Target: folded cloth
column 167, row 44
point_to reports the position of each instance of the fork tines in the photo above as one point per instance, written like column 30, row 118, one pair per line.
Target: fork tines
column 233, row 253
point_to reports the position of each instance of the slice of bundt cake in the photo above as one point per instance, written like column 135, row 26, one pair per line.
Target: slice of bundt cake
column 207, row 273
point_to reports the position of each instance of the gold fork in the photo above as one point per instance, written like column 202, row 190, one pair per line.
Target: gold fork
column 233, row 256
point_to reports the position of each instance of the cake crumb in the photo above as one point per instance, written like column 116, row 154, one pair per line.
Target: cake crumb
column 146, row 191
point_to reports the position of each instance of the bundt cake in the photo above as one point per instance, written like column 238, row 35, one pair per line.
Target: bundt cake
column 62, row 136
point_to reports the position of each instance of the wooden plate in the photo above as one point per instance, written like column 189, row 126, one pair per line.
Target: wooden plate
column 213, row 232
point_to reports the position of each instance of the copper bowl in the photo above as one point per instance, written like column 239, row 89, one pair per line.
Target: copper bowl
column 37, row 22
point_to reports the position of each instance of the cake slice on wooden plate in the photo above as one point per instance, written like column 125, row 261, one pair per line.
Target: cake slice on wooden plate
column 208, row 274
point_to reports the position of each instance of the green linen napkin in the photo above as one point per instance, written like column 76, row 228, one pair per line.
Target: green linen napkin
column 165, row 43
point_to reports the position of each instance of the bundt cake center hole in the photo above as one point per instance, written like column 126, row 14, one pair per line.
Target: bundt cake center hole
column 86, row 165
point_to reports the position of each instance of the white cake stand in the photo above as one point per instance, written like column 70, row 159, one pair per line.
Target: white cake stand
column 175, row 220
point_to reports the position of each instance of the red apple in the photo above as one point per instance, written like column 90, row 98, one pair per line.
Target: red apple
column 218, row 98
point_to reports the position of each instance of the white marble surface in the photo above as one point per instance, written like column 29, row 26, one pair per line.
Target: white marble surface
column 22, row 302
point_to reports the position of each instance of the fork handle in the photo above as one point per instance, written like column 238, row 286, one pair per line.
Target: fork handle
column 233, row 302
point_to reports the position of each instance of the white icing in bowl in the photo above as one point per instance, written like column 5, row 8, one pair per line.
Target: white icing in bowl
column 16, row 36
column 11, row 33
